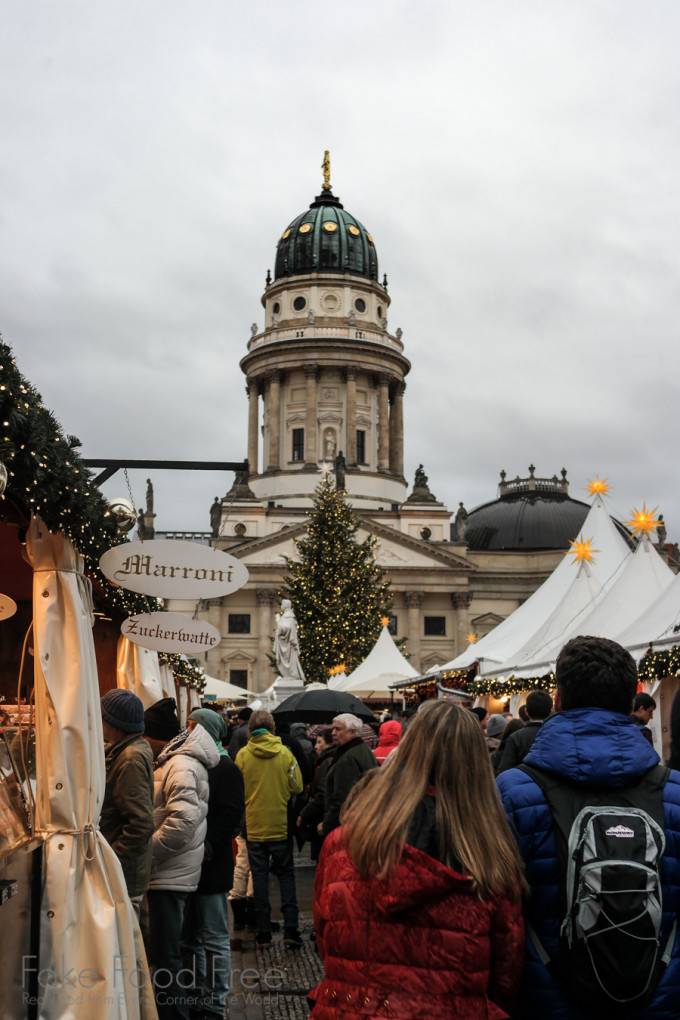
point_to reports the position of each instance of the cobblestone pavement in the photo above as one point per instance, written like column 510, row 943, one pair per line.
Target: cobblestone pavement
column 272, row 982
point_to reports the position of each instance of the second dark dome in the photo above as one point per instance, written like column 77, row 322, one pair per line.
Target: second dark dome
column 326, row 239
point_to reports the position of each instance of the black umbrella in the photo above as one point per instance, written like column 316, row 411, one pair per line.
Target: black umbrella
column 321, row 705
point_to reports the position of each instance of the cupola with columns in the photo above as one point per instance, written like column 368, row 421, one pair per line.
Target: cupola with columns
column 325, row 377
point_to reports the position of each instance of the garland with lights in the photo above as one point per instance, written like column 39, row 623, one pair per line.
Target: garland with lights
column 657, row 665
column 337, row 590
column 46, row 477
column 185, row 673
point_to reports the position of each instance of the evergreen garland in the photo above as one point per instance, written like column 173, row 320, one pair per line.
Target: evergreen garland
column 337, row 590
column 47, row 477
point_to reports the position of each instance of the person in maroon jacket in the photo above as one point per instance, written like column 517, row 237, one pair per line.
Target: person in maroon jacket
column 417, row 896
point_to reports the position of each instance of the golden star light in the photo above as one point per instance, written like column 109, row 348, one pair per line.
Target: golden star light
column 471, row 639
column 597, row 487
column 384, row 621
column 582, row 549
column 643, row 521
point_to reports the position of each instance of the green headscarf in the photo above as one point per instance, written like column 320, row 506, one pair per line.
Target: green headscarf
column 214, row 724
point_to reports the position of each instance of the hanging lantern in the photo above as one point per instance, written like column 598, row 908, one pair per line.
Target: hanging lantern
column 123, row 513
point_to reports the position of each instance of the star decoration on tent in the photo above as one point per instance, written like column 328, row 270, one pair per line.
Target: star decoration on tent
column 384, row 621
column 582, row 549
column 471, row 639
column 597, row 487
column 643, row 521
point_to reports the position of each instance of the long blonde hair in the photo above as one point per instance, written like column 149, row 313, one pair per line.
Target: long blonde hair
column 443, row 748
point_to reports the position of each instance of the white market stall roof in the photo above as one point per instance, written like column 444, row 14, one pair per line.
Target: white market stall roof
column 384, row 665
column 659, row 623
column 510, row 636
column 590, row 608
column 228, row 692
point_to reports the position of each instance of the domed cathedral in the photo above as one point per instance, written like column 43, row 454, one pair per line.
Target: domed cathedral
column 325, row 383
column 325, row 376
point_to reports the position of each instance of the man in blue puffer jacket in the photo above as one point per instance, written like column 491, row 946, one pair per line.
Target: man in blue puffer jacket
column 591, row 741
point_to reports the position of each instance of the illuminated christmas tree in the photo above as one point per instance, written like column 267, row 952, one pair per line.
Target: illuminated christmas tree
column 338, row 591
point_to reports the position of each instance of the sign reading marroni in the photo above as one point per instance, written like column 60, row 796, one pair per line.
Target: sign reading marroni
column 169, row 569
column 170, row 632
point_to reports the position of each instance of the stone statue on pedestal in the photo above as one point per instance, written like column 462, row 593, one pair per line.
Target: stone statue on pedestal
column 286, row 650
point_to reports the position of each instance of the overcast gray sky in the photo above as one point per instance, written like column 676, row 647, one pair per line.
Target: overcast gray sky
column 516, row 163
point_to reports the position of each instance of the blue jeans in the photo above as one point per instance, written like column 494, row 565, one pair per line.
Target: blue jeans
column 205, row 948
column 281, row 854
column 171, row 983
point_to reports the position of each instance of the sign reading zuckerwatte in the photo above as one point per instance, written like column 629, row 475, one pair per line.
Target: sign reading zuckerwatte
column 170, row 632
column 173, row 570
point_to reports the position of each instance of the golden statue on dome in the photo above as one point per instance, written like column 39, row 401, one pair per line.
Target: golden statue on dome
column 326, row 167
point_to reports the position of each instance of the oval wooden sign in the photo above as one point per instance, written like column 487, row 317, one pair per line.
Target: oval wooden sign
column 171, row 632
column 8, row 607
column 173, row 570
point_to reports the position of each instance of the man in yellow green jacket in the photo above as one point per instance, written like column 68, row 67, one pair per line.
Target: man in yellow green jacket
column 271, row 776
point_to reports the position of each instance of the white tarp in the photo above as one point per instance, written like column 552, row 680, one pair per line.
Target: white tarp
column 502, row 643
column 137, row 670
column 660, row 623
column 89, row 938
column 384, row 665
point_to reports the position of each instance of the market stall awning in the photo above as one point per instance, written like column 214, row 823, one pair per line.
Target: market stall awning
column 384, row 665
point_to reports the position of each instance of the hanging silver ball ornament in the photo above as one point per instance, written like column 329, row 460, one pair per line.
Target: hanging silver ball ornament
column 3, row 478
column 124, row 514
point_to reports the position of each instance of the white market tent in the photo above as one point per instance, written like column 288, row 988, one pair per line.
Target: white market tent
column 384, row 665
column 512, row 635
column 590, row 608
column 226, row 692
column 659, row 623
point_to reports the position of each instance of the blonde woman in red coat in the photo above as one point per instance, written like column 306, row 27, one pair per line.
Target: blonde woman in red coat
column 417, row 899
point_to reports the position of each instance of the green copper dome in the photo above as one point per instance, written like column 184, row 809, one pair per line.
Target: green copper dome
column 326, row 239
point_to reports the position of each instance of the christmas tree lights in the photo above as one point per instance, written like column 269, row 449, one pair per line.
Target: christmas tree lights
column 338, row 591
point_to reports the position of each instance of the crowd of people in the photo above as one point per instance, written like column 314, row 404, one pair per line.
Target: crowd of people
column 468, row 865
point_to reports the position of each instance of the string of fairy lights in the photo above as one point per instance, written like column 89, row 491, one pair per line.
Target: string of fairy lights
column 46, row 477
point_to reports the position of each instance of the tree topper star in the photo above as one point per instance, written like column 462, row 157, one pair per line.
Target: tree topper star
column 597, row 487
column 643, row 520
column 581, row 548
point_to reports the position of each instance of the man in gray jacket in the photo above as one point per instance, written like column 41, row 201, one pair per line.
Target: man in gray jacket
column 180, row 808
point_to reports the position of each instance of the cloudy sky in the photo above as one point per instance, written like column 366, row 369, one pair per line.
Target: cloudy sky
column 516, row 163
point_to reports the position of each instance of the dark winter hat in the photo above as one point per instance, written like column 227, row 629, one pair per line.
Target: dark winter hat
column 495, row 725
column 160, row 721
column 123, row 710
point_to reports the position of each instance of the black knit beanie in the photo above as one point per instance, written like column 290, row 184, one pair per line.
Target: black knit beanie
column 160, row 721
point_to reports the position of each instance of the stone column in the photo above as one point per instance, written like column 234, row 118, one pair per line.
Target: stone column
column 383, row 422
column 351, row 417
column 274, row 407
column 414, row 600
column 253, row 391
column 265, row 676
column 311, row 451
column 397, row 431
column 460, row 600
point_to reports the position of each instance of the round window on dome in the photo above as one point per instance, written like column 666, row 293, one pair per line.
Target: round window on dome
column 354, row 231
column 360, row 305
column 285, row 234
column 305, row 228
column 330, row 226
column 299, row 304
column 370, row 238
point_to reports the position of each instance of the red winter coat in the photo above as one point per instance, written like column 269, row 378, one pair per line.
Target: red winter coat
column 419, row 945
column 390, row 735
